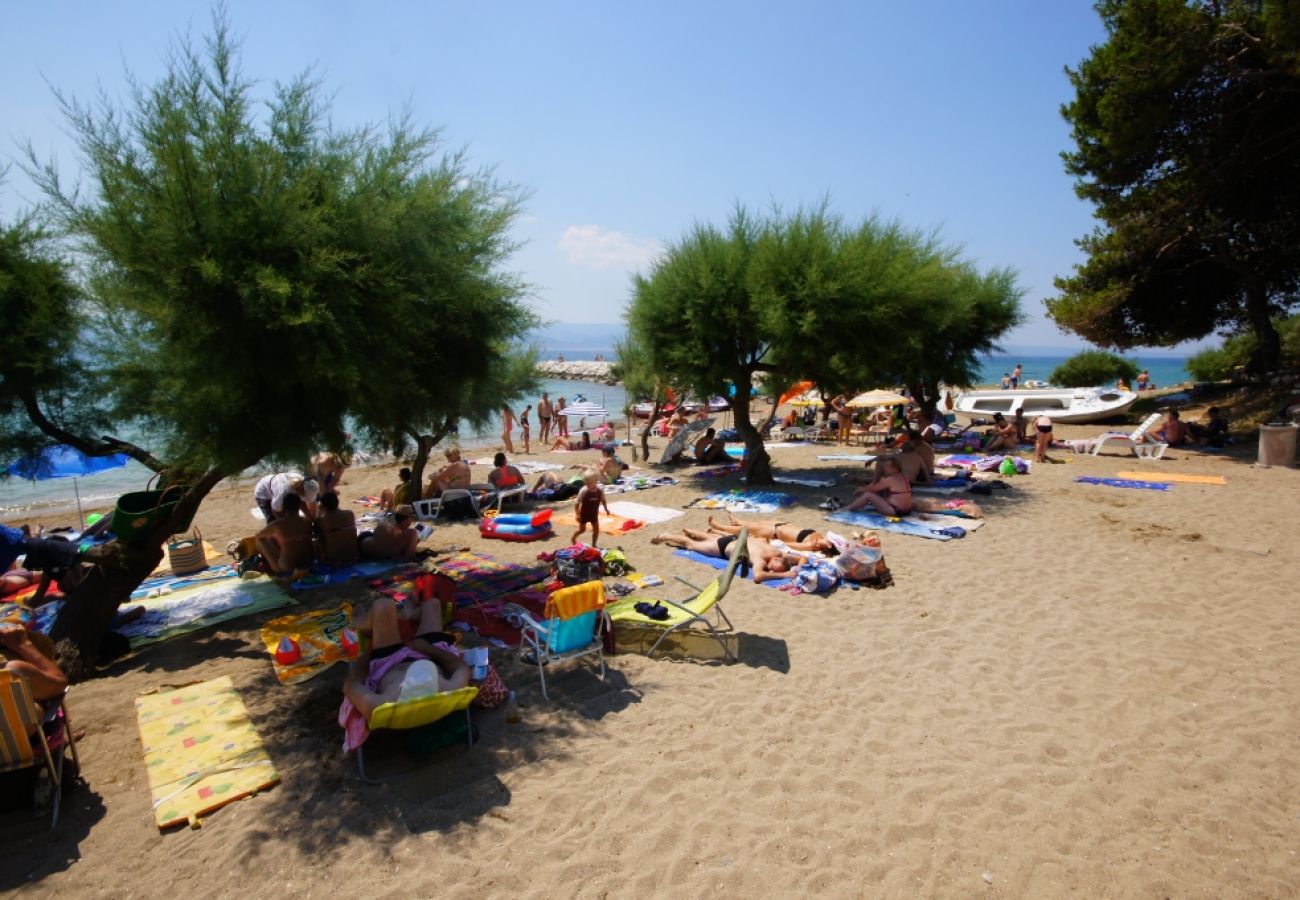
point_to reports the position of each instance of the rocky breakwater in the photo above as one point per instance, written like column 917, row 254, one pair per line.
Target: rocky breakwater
column 578, row 370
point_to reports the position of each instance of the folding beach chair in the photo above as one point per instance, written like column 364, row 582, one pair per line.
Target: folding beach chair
column 1141, row 449
column 692, row 611
column 574, row 627
column 416, row 713
column 20, row 723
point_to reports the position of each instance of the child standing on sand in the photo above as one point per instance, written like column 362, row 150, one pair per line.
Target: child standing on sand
column 587, row 507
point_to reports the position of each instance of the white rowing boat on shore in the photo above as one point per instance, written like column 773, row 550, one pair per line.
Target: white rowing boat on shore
column 1065, row 405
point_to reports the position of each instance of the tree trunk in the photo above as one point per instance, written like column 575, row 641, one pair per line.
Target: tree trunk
column 1268, row 343
column 89, row 608
column 423, row 447
column 649, row 423
column 925, row 397
column 758, row 465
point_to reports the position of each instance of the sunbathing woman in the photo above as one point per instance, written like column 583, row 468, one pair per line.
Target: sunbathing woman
column 807, row 539
column 768, row 561
column 890, row 496
column 583, row 443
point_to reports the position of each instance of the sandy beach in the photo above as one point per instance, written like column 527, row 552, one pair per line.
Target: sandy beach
column 1093, row 695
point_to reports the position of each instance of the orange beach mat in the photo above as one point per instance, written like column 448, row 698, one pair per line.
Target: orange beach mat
column 1172, row 478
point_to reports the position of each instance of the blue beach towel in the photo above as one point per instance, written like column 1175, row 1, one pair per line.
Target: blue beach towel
column 905, row 525
column 1125, row 483
column 745, row 501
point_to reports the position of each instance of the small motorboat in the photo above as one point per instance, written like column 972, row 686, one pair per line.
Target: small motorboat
column 1065, row 405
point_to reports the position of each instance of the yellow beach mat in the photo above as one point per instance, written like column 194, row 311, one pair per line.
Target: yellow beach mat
column 201, row 751
column 1181, row 479
column 318, row 635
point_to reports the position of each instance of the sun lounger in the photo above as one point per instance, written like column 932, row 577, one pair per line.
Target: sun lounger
column 1141, row 449
column 416, row 713
column 19, row 724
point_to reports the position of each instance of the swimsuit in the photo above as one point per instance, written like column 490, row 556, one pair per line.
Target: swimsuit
column 589, row 511
column 723, row 543
column 1044, row 429
column 803, row 535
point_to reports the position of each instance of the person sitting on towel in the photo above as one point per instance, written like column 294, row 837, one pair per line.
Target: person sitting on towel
column 336, row 533
column 390, row 499
column 769, row 562
column 582, row 443
column 383, row 675
column 711, row 448
column 393, row 538
column 1213, row 432
column 610, row 468
column 285, row 544
column 890, row 496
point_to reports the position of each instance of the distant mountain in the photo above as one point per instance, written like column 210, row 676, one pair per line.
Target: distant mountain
column 571, row 336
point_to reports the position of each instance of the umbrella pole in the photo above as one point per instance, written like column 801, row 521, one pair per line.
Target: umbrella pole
column 80, row 516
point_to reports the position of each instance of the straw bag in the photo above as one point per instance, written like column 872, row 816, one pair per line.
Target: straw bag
column 186, row 555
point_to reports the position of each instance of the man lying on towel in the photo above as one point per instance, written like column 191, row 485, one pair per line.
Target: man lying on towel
column 405, row 643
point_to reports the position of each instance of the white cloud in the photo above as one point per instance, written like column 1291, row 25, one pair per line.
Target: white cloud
column 595, row 248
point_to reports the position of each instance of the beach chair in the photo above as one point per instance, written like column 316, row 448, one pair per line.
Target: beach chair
column 1141, row 449
column 20, row 723
column 692, row 611
column 793, row 433
column 416, row 713
column 573, row 627
column 428, row 510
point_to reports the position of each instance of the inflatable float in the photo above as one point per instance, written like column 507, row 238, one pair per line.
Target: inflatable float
column 517, row 526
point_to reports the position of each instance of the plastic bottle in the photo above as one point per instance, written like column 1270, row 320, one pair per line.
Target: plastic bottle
column 512, row 709
column 349, row 643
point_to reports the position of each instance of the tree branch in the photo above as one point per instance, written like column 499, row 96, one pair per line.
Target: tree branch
column 103, row 447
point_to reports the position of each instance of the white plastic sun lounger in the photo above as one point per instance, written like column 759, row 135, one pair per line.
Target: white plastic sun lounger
column 1141, row 449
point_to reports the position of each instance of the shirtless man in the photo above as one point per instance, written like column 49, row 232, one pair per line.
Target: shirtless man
column 285, row 544
column 545, row 412
column 453, row 475
column 336, row 533
column 393, row 538
column 24, row 658
column 769, row 562
column 710, row 448
column 1003, row 435
column 923, row 450
column 1175, row 431
column 376, row 677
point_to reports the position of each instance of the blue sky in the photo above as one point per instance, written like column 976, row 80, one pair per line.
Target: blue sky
column 627, row 123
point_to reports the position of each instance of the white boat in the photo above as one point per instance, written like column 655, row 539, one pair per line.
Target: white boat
column 1065, row 405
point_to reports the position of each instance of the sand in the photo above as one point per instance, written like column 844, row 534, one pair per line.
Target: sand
column 1094, row 695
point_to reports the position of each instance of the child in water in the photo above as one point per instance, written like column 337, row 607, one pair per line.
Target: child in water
column 587, row 507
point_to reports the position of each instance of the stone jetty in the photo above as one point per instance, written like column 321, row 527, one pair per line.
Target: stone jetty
column 578, row 370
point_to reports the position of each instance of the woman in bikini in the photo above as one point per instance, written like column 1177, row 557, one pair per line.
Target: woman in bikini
column 806, row 539
column 890, row 496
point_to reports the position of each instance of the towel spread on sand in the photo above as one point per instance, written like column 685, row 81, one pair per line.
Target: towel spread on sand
column 167, row 583
column 805, row 482
column 716, row 563
column 317, row 634
column 850, row 457
column 646, row 513
column 198, row 607
column 744, row 500
column 1180, row 479
column 610, row 523
column 321, row 574
column 1124, row 483
column 629, row 483
column 201, row 751
column 925, row 525
column 479, row 577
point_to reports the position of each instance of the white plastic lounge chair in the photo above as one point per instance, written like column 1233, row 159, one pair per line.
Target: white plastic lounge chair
column 1141, row 449
column 793, row 433
column 428, row 510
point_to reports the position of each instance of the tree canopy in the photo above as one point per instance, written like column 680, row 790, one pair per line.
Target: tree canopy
column 1231, row 358
column 1090, row 368
column 1187, row 130
column 250, row 282
column 788, row 297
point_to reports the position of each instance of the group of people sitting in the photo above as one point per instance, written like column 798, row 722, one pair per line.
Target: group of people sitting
column 770, row 544
column 304, row 525
column 1212, row 432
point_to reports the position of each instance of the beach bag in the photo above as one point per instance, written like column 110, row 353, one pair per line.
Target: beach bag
column 492, row 692
column 859, row 563
column 186, row 555
column 816, row 576
column 137, row 512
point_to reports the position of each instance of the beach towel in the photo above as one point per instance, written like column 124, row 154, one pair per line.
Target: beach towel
column 184, row 611
column 744, row 500
column 629, row 483
column 850, row 457
column 321, row 574
column 714, row 563
column 317, row 634
column 610, row 523
column 479, row 577
column 525, row 467
column 924, row 525
column 805, row 482
column 718, row 471
column 1124, row 483
column 201, row 751
column 167, row 583
column 739, row 452
column 959, row 460
column 489, row 619
column 1179, row 479
column 649, row 514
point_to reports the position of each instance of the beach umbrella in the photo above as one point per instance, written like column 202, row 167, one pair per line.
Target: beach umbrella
column 62, row 461
column 678, row 442
column 797, row 389
column 878, row 398
column 808, row 398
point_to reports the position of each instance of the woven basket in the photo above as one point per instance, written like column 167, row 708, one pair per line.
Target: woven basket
column 185, row 555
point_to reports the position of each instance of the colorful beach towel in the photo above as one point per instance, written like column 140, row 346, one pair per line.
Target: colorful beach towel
column 923, row 525
column 317, row 633
column 629, row 483
column 850, row 457
column 1178, row 479
column 652, row 515
column 201, row 751
column 479, row 577
column 744, row 500
column 610, row 523
column 167, row 583
column 1124, row 483
column 322, row 575
column 717, row 471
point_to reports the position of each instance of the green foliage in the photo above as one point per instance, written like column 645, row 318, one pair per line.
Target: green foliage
column 258, row 277
column 806, row 296
column 1229, row 360
column 1183, row 123
column 1093, row 367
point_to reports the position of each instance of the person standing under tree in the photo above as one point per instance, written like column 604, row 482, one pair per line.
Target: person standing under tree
column 524, row 427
